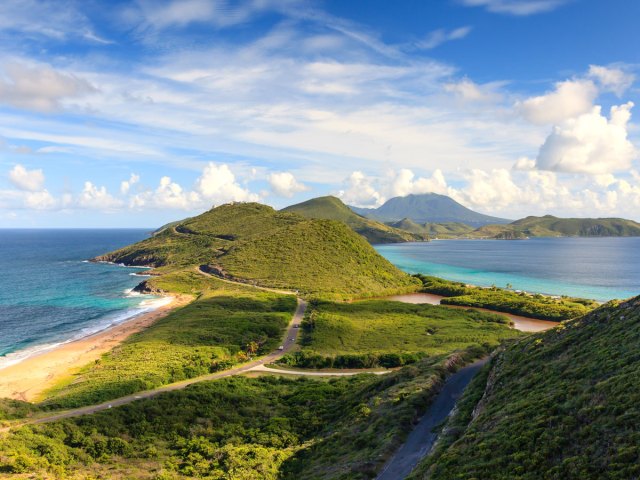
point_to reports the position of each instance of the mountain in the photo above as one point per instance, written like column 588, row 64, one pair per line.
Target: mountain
column 561, row 404
column 332, row 208
column 427, row 207
column 550, row 226
column 447, row 229
column 254, row 243
column 409, row 225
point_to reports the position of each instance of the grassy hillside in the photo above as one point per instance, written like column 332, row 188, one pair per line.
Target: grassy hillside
column 264, row 428
column 563, row 404
column 254, row 243
column 332, row 208
column 582, row 227
column 384, row 333
column 409, row 225
column 212, row 333
column 447, row 229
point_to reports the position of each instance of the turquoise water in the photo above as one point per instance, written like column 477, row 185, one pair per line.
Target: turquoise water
column 49, row 294
column 598, row 268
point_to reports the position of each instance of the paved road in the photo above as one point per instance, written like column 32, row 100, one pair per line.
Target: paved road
column 289, row 343
column 422, row 438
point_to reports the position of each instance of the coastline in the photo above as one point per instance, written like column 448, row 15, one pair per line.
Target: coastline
column 29, row 378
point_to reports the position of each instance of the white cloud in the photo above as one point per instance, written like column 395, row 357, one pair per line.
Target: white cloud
column 360, row 192
column 569, row 99
column 405, row 183
column 218, row 184
column 126, row 185
column 440, row 36
column 39, row 87
column 40, row 200
column 524, row 164
column 285, row 184
column 590, row 143
column 31, row 180
column 466, row 89
column 516, row 7
column 615, row 80
column 96, row 197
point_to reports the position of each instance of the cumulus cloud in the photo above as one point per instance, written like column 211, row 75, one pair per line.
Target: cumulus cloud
column 524, row 164
column 30, row 180
column 126, row 185
column 569, row 99
column 615, row 80
column 405, row 183
column 218, row 184
column 168, row 194
column 590, row 143
column 360, row 192
column 516, row 7
column 96, row 197
column 440, row 36
column 39, row 87
column 285, row 184
column 42, row 200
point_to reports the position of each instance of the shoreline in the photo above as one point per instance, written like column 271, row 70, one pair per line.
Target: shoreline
column 28, row 379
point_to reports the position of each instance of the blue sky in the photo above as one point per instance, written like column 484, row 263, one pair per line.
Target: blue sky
column 134, row 113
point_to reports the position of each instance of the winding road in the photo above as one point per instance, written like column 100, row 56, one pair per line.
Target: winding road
column 421, row 439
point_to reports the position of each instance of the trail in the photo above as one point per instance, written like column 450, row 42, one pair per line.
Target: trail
column 421, row 439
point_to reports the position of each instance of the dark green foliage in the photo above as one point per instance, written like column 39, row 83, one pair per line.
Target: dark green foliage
column 381, row 333
column 12, row 409
column 528, row 305
column 237, row 428
column 563, row 404
column 205, row 336
column 332, row 208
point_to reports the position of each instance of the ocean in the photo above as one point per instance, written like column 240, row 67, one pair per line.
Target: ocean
column 597, row 268
column 50, row 294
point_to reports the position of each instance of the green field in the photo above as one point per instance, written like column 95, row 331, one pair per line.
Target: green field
column 253, row 243
column 384, row 333
column 501, row 300
column 562, row 404
column 209, row 334
column 236, row 428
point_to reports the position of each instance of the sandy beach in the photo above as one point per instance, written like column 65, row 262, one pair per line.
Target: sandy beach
column 28, row 379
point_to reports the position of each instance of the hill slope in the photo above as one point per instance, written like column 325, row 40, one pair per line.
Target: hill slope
column 561, row 404
column 254, row 243
column 427, row 207
column 332, row 208
column 550, row 226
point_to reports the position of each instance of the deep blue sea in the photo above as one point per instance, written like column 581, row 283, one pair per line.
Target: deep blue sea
column 49, row 294
column 598, row 268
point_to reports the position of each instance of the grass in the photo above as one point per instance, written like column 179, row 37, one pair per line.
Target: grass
column 209, row 334
column 374, row 333
column 560, row 404
column 501, row 300
column 332, row 208
column 236, row 428
column 254, row 243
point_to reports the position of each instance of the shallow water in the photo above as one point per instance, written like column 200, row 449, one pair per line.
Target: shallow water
column 598, row 268
column 49, row 294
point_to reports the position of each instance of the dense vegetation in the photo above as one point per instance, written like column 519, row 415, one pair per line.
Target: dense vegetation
column 237, row 428
column 332, row 208
column 225, row 324
column 528, row 305
column 427, row 207
column 563, row 404
column 254, row 243
column 380, row 333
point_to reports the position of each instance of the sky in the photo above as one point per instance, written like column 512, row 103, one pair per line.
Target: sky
column 137, row 113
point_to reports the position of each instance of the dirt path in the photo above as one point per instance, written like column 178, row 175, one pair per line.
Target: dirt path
column 225, row 280
column 422, row 438
column 315, row 373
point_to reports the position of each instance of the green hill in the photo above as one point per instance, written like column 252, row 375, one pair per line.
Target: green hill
column 563, row 404
column 550, row 226
column 253, row 243
column 409, row 225
column 427, row 207
column 447, row 229
column 332, row 208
